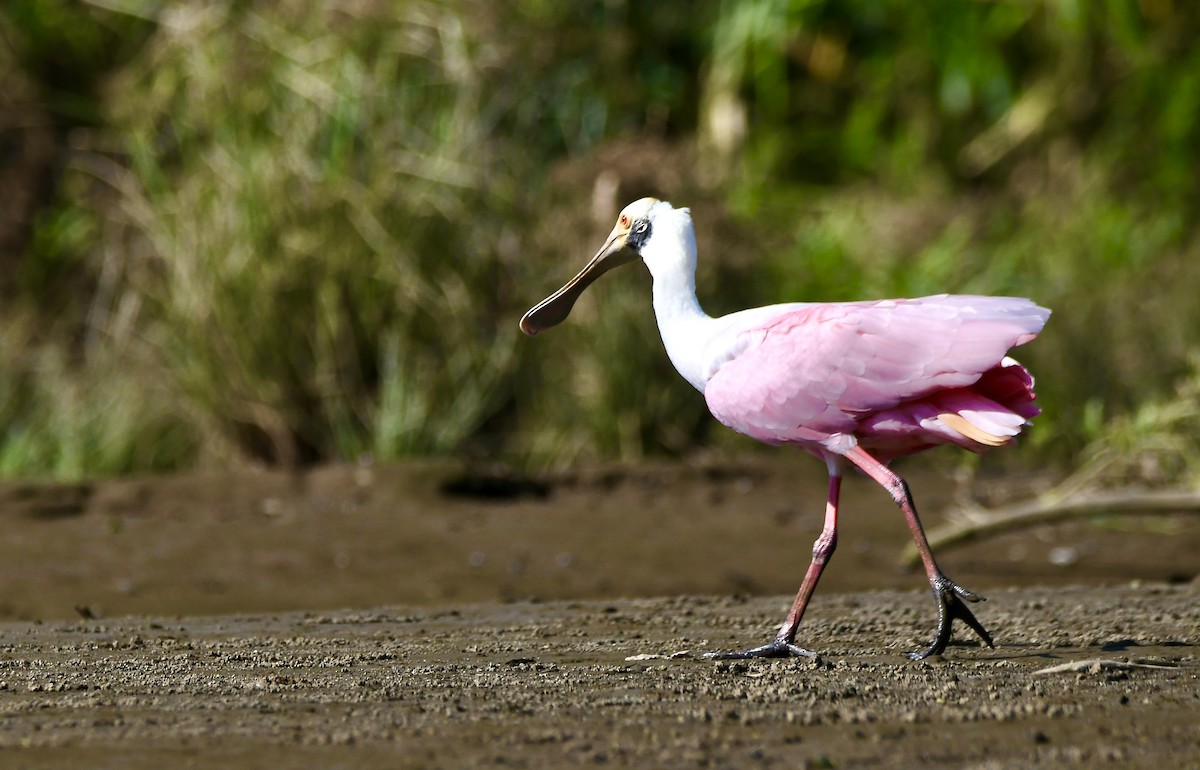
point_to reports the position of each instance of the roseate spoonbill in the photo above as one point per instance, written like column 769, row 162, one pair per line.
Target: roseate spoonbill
column 856, row 383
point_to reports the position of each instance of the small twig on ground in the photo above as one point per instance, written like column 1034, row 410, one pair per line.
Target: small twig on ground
column 1095, row 666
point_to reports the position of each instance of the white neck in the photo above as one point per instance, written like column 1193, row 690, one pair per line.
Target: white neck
column 670, row 255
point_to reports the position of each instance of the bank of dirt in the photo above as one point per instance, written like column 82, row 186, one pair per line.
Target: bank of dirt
column 499, row 621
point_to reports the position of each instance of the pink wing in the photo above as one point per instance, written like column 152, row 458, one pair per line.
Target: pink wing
column 820, row 369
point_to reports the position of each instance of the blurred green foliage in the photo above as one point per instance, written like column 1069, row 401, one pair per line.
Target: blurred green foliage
column 289, row 231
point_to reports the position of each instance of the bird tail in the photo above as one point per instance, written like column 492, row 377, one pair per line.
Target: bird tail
column 993, row 411
column 1010, row 385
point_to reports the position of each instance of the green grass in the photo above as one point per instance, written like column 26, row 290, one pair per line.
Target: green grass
column 292, row 232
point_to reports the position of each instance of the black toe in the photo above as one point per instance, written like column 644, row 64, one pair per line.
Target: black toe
column 951, row 600
column 776, row 649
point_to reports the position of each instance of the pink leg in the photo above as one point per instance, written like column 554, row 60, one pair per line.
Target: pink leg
column 948, row 595
column 782, row 645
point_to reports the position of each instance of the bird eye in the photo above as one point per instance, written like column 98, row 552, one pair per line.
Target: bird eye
column 624, row 221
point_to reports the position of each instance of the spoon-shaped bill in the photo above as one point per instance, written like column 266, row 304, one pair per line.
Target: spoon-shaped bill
column 554, row 309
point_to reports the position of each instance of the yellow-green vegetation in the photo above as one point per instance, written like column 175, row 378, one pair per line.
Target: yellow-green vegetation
column 290, row 231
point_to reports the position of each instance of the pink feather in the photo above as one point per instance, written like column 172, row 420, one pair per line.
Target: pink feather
column 882, row 372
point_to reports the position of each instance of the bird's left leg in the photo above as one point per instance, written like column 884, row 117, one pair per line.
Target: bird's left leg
column 949, row 595
column 783, row 645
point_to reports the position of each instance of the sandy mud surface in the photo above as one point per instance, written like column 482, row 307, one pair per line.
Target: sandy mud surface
column 506, row 622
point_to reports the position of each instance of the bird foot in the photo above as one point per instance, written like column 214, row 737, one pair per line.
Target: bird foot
column 950, row 598
column 776, row 649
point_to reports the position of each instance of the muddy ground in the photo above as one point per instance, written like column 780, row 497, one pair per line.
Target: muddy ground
column 430, row 615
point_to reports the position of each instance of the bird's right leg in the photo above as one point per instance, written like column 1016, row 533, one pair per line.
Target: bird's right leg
column 783, row 645
column 949, row 595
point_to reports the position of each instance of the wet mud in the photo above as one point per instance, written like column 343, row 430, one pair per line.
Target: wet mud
column 489, row 620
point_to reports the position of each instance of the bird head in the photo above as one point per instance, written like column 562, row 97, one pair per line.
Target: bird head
column 623, row 245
